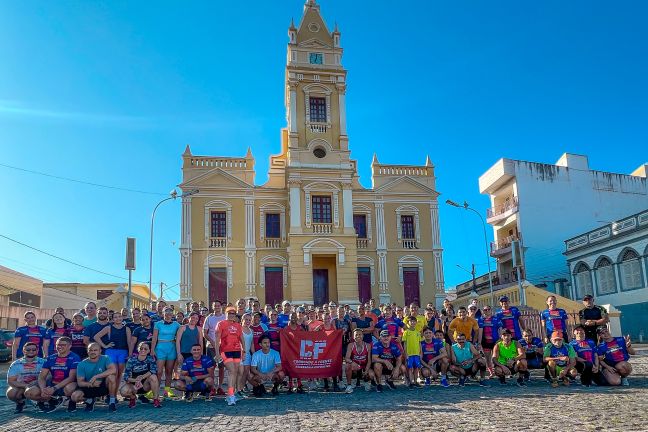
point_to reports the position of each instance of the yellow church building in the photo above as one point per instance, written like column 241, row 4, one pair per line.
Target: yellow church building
column 312, row 233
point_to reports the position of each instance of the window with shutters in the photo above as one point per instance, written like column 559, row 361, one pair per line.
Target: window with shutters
column 605, row 280
column 583, row 280
column 321, row 209
column 218, row 224
column 317, row 109
column 630, row 270
column 407, row 227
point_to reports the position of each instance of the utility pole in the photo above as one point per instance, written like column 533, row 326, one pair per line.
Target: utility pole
column 161, row 289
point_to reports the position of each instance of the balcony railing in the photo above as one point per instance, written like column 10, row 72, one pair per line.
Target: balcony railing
column 322, row 228
column 217, row 242
column 318, row 127
column 504, row 246
column 503, row 210
column 410, row 244
column 362, row 243
column 273, row 243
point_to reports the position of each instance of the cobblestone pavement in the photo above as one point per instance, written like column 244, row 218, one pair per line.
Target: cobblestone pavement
column 537, row 407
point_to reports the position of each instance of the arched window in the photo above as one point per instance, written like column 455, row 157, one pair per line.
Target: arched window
column 605, row 280
column 630, row 270
column 583, row 281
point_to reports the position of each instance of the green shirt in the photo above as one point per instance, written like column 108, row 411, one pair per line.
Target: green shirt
column 87, row 368
column 88, row 321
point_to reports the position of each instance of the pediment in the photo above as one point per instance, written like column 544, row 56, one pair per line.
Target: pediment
column 406, row 185
column 314, row 43
column 216, row 177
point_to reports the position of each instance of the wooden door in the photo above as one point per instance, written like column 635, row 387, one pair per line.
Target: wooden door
column 364, row 284
column 217, row 285
column 411, row 285
column 320, row 287
column 273, row 285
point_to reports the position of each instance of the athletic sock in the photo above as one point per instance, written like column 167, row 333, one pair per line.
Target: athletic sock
column 230, row 391
column 113, row 399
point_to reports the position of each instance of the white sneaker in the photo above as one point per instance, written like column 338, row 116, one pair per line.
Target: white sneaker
column 367, row 386
column 625, row 382
column 231, row 400
column 349, row 389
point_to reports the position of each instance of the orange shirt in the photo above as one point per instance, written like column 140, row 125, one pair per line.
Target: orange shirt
column 467, row 327
column 230, row 335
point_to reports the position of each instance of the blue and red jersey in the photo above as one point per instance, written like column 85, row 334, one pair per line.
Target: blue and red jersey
column 490, row 326
column 53, row 335
column 390, row 352
column 26, row 334
column 273, row 334
column 585, row 349
column 614, row 351
column 392, row 325
column 429, row 350
column 197, row 367
column 555, row 320
column 60, row 367
column 530, row 348
column 509, row 319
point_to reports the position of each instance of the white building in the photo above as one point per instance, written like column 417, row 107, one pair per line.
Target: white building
column 610, row 263
column 543, row 204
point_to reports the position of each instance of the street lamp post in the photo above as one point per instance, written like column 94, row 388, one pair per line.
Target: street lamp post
column 465, row 206
column 173, row 196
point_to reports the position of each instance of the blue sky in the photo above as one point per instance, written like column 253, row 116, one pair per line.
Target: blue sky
column 111, row 92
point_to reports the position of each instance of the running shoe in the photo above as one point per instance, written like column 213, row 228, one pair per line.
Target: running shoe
column 300, row 390
column 231, row 400
column 112, row 407
column 188, row 396
column 391, row 384
column 72, row 406
column 520, row 382
column 54, row 403
column 566, row 382
column 625, row 382
column 142, row 398
column 462, row 381
column 367, row 386
column 379, row 388
column 349, row 389
column 149, row 394
column 132, row 403
column 554, row 383
column 428, row 381
column 445, row 383
column 168, row 392
column 89, row 407
column 220, row 392
column 483, row 383
column 20, row 406
column 157, row 404
column 527, row 376
column 240, row 396
column 502, row 380
column 275, row 390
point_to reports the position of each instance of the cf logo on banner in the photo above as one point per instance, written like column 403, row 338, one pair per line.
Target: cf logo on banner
column 310, row 349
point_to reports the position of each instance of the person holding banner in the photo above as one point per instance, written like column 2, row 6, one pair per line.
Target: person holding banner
column 293, row 325
column 386, row 354
column 230, row 348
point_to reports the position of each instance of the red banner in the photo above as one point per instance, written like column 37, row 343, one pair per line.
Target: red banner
column 311, row 354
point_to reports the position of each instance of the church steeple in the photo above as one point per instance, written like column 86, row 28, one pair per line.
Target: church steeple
column 315, row 92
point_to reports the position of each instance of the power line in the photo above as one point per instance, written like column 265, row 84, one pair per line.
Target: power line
column 82, row 181
column 66, row 260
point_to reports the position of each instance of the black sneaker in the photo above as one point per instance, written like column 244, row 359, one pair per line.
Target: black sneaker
column 379, row 388
column 521, row 383
column 188, row 396
column 41, row 406
column 300, row 390
column 89, row 407
column 275, row 390
column 20, row 406
column 143, row 399
column 391, row 384
column 112, row 407
column 502, row 380
column 54, row 403
column 71, row 406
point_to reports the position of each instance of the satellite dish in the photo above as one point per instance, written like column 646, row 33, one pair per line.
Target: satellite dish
column 451, row 297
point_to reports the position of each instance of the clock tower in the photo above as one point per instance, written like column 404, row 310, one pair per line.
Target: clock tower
column 315, row 94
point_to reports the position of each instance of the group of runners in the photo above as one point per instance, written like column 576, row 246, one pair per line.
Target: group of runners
column 101, row 354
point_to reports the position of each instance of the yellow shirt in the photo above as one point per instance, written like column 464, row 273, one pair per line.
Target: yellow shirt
column 412, row 340
column 421, row 323
column 467, row 327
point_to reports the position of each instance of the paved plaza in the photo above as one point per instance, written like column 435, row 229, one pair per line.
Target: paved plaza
column 537, row 407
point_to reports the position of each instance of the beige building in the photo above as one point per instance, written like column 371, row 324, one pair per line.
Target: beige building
column 312, row 233
column 111, row 295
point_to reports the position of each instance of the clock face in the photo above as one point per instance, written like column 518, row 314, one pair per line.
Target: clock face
column 316, row 58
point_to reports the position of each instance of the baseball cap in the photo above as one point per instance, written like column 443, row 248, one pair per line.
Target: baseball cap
column 601, row 329
column 230, row 309
column 285, row 302
column 384, row 333
column 556, row 335
column 301, row 309
column 588, row 297
column 503, row 299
